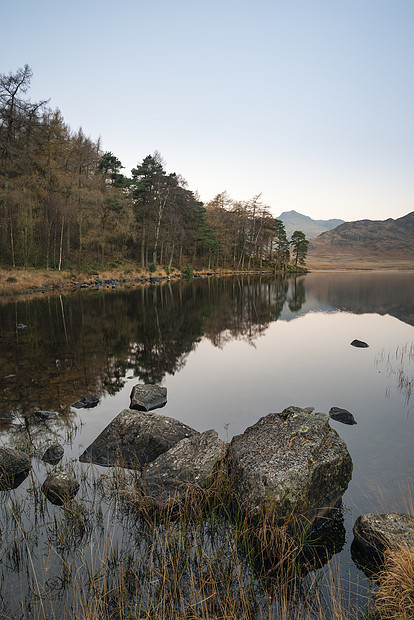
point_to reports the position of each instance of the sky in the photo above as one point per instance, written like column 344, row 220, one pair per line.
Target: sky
column 308, row 102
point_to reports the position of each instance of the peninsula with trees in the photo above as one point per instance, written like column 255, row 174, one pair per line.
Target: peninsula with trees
column 65, row 204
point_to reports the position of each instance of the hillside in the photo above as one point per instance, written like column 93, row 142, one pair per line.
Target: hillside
column 312, row 228
column 366, row 244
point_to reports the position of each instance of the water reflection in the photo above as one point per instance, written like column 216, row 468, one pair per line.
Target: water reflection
column 228, row 350
column 380, row 292
column 85, row 343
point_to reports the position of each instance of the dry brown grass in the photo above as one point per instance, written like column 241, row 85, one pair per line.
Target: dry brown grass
column 395, row 597
column 16, row 281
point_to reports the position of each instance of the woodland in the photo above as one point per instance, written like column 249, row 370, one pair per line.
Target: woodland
column 66, row 204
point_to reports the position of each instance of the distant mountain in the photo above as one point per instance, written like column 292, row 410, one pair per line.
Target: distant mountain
column 366, row 243
column 312, row 228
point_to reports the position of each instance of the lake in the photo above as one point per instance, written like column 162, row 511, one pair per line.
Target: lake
column 228, row 350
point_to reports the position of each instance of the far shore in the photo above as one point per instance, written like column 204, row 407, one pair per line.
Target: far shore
column 22, row 282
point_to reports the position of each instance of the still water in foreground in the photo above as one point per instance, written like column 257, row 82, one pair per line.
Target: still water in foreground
column 229, row 351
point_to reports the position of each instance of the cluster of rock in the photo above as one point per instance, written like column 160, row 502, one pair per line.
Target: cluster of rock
column 292, row 461
column 110, row 283
column 288, row 463
column 15, row 466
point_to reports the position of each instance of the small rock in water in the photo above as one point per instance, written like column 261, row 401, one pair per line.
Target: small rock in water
column 60, row 487
column 53, row 454
column 147, row 397
column 87, row 402
column 9, row 415
column 341, row 415
column 359, row 343
column 46, row 415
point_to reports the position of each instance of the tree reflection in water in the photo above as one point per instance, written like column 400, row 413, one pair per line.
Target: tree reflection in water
column 85, row 342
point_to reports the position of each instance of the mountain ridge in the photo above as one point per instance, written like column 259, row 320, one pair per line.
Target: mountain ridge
column 293, row 220
column 387, row 242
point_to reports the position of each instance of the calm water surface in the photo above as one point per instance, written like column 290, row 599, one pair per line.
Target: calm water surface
column 229, row 351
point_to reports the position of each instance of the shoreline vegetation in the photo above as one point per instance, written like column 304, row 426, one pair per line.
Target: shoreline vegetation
column 199, row 560
column 20, row 281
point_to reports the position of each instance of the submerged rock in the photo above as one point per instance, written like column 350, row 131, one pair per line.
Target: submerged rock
column 87, row 402
column 374, row 534
column 309, row 409
column 359, row 343
column 46, row 415
column 341, row 415
column 147, row 397
column 8, row 416
column 53, row 454
column 192, row 462
column 60, row 487
column 289, row 463
column 14, row 466
column 135, row 438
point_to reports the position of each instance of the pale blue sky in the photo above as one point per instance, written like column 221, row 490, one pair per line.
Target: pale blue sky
column 310, row 102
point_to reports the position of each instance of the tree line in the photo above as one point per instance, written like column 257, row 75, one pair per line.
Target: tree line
column 66, row 203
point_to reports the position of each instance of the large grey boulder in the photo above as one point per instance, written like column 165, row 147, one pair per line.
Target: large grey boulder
column 60, row 487
column 14, row 467
column 375, row 533
column 148, row 397
column 135, row 438
column 289, row 463
column 191, row 463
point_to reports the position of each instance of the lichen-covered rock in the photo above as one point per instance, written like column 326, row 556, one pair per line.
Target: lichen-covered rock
column 135, row 438
column 60, row 487
column 148, row 397
column 53, row 454
column 289, row 463
column 375, row 533
column 14, row 465
column 192, row 462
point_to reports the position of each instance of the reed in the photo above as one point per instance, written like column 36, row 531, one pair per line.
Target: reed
column 111, row 553
column 395, row 597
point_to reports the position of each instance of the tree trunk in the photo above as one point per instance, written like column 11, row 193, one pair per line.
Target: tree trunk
column 143, row 265
column 171, row 258
column 61, row 245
